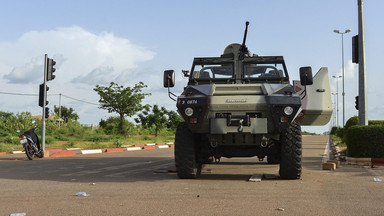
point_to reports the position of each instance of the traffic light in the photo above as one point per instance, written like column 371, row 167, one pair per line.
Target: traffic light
column 357, row 102
column 46, row 112
column 50, row 69
column 355, row 49
column 41, row 95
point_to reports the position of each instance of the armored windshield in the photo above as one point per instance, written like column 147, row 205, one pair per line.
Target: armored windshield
column 228, row 70
column 263, row 71
column 213, row 71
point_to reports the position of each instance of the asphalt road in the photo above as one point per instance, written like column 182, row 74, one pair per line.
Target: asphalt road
column 139, row 183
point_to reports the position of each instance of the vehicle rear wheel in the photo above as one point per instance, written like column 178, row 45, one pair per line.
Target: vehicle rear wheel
column 291, row 152
column 29, row 151
column 187, row 165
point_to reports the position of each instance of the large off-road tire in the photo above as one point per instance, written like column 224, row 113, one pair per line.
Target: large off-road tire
column 274, row 156
column 187, row 165
column 29, row 151
column 273, row 159
column 291, row 151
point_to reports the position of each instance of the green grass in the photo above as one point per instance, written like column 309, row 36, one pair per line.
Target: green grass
column 7, row 147
column 95, row 142
column 308, row 133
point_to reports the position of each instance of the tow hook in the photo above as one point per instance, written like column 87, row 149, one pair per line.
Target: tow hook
column 264, row 142
column 240, row 129
column 217, row 159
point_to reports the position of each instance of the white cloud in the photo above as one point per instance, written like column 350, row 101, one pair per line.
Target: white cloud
column 26, row 73
column 80, row 55
column 351, row 70
column 84, row 59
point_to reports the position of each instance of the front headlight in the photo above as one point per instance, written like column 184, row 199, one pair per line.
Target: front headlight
column 188, row 111
column 288, row 110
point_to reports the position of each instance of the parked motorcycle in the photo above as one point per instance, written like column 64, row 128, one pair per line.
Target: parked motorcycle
column 31, row 144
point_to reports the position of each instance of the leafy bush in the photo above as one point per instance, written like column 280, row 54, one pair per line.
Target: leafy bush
column 112, row 126
column 69, row 145
column 12, row 123
column 61, row 137
column 334, row 130
column 117, row 143
column 49, row 140
column 340, row 132
column 376, row 122
column 365, row 141
column 98, row 138
column 354, row 120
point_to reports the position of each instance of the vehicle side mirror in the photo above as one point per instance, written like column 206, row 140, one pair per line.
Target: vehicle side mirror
column 306, row 76
column 169, row 78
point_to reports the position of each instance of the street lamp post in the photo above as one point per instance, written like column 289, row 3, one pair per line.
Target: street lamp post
column 334, row 113
column 342, row 62
column 337, row 97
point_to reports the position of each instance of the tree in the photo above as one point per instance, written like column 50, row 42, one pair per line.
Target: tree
column 66, row 113
column 124, row 101
column 111, row 125
column 5, row 115
column 159, row 118
column 21, row 121
column 173, row 120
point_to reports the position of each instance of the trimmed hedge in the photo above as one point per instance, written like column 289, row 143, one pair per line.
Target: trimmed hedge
column 375, row 122
column 366, row 141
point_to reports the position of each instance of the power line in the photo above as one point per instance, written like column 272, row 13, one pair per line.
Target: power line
column 80, row 100
column 22, row 94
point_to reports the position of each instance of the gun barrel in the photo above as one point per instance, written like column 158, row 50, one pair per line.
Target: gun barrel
column 245, row 33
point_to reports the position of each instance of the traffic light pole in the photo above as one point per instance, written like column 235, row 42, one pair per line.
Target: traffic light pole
column 363, row 104
column 44, row 104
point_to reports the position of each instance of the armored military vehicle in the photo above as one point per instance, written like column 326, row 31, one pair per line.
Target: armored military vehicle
column 242, row 105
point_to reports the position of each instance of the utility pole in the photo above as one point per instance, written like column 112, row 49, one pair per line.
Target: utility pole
column 44, row 105
column 363, row 102
column 59, row 110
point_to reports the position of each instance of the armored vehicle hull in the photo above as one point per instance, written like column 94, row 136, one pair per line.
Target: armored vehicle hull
column 239, row 105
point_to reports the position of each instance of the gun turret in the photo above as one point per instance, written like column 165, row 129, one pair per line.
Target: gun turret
column 244, row 49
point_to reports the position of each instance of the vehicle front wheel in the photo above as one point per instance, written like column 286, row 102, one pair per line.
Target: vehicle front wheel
column 291, row 152
column 187, row 165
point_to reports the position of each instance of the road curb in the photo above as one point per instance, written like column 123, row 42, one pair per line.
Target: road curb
column 63, row 153
column 378, row 161
column 114, row 150
column 139, row 145
column 91, row 151
column 150, row 147
column 17, row 152
column 364, row 161
column 135, row 148
column 55, row 152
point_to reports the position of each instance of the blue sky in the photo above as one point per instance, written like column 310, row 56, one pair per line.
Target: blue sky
column 96, row 42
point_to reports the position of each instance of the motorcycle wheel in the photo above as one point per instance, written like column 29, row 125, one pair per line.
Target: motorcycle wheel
column 29, row 151
column 40, row 154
